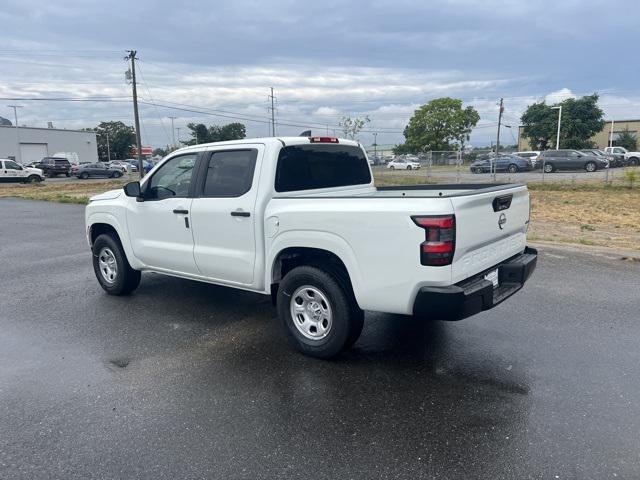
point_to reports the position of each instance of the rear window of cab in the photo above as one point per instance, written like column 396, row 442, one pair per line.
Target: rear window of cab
column 314, row 166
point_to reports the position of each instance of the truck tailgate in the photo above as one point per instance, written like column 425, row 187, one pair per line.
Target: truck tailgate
column 490, row 227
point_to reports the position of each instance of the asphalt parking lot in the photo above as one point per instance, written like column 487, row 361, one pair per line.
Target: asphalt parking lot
column 188, row 380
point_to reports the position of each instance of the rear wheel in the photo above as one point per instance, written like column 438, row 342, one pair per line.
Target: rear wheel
column 408, row 167
column 548, row 168
column 116, row 174
column 318, row 312
column 635, row 161
column 513, row 168
column 112, row 269
column 83, row 175
column 392, row 167
column 590, row 167
column 67, row 174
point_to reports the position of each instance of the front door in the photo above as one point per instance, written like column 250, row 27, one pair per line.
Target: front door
column 160, row 225
column 224, row 214
column 12, row 172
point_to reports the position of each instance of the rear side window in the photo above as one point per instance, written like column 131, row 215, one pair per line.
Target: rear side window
column 308, row 167
column 230, row 173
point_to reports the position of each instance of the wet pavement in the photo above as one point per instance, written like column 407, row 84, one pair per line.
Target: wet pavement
column 188, row 380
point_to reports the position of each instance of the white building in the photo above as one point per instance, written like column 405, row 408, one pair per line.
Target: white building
column 36, row 143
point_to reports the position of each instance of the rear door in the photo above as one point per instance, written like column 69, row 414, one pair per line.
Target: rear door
column 490, row 227
column 223, row 214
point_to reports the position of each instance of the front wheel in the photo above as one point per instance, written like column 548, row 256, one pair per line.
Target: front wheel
column 318, row 312
column 83, row 175
column 634, row 161
column 34, row 179
column 590, row 167
column 112, row 269
column 548, row 168
column 116, row 174
column 408, row 167
column 392, row 167
column 68, row 174
column 513, row 168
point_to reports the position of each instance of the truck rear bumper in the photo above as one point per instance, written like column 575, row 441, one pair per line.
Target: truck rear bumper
column 476, row 294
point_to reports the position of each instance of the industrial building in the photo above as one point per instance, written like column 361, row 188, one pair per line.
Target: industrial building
column 27, row 144
column 601, row 139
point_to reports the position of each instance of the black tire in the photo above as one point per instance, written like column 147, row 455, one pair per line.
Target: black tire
column 548, row 168
column 116, row 174
column 34, row 179
column 83, row 175
column 392, row 167
column 50, row 174
column 68, row 174
column 126, row 280
column 513, row 168
column 347, row 318
column 408, row 167
column 634, row 161
column 590, row 166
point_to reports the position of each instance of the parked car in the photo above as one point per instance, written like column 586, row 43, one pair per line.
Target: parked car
column 403, row 164
column 124, row 166
column 532, row 156
column 284, row 217
column 100, row 169
column 146, row 165
column 504, row 163
column 623, row 157
column 601, row 153
column 54, row 166
column 11, row 171
column 565, row 159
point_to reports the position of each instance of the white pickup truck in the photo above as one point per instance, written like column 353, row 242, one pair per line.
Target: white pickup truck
column 300, row 219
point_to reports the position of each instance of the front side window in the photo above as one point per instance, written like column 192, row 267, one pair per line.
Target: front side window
column 230, row 173
column 313, row 166
column 172, row 179
column 9, row 165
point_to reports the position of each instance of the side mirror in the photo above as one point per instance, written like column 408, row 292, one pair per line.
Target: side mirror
column 132, row 189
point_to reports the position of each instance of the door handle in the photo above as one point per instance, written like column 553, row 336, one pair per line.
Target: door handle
column 180, row 211
column 237, row 213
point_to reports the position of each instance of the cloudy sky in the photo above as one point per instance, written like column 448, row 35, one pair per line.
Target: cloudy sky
column 214, row 61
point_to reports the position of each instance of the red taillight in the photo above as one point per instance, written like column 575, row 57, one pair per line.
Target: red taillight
column 440, row 237
column 323, row 140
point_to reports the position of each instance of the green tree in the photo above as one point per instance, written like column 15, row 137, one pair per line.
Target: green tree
column 200, row 133
column 161, row 152
column 627, row 140
column 352, row 126
column 581, row 120
column 121, row 138
column 441, row 124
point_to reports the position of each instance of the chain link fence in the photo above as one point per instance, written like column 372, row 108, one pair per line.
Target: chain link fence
column 479, row 166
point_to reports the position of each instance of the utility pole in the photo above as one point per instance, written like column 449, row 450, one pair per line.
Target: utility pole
column 15, row 115
column 375, row 146
column 495, row 160
column 178, row 129
column 108, row 148
column 132, row 58
column 273, row 114
column 173, row 132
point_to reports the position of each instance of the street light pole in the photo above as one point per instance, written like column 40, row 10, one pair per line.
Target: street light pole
column 611, row 135
column 15, row 115
column 108, row 148
column 559, row 108
column 173, row 132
